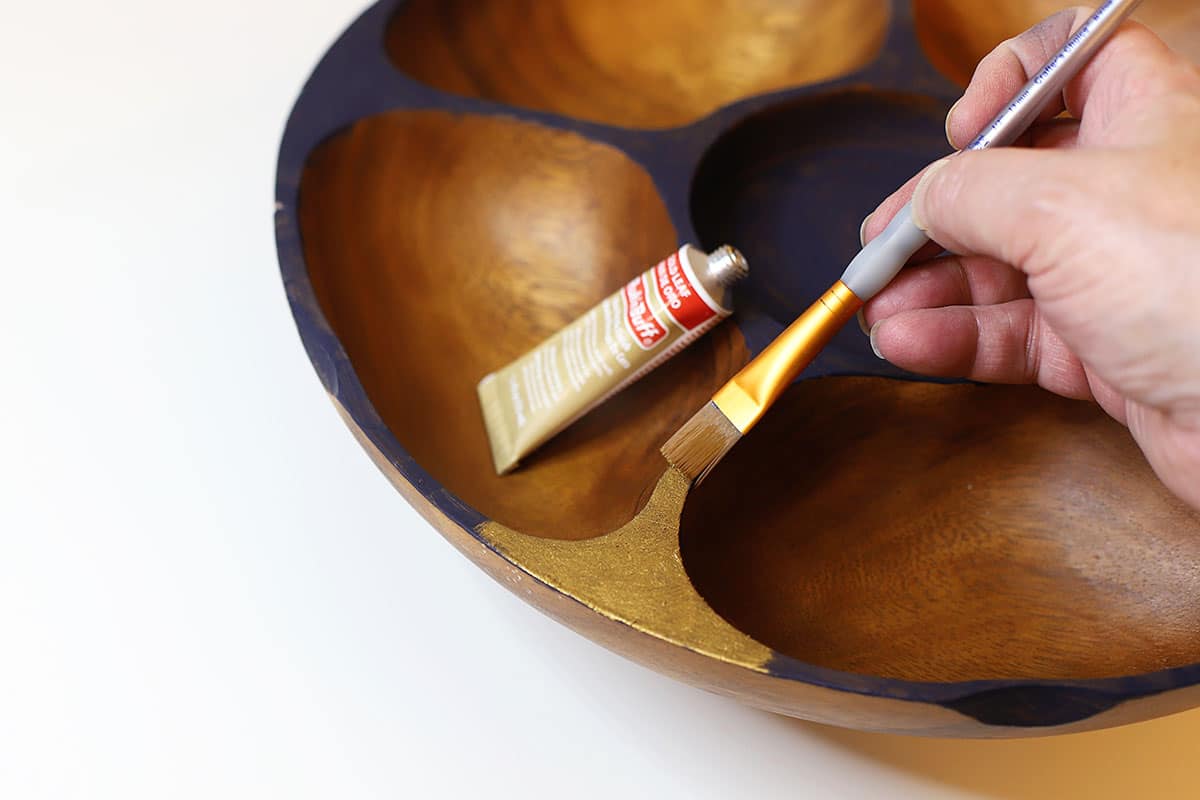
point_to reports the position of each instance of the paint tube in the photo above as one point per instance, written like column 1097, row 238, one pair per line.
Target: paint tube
column 653, row 317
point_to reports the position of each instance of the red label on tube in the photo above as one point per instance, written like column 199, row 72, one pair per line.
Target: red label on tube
column 683, row 302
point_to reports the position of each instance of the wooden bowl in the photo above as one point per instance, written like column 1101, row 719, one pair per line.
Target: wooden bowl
column 458, row 180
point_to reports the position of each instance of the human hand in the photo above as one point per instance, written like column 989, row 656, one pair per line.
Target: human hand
column 1077, row 261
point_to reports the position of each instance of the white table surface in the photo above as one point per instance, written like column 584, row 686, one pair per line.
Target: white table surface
column 207, row 590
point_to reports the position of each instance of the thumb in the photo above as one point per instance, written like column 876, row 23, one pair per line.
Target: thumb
column 1012, row 205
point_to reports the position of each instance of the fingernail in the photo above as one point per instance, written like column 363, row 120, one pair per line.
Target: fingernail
column 862, row 230
column 874, row 334
column 861, row 316
column 918, row 198
column 949, row 120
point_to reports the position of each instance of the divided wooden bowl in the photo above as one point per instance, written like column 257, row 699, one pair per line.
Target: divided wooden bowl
column 458, row 180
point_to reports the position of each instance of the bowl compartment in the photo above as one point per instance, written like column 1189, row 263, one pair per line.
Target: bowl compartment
column 947, row 533
column 443, row 246
column 791, row 185
column 629, row 62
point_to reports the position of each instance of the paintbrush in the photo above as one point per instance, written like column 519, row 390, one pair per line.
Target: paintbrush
column 704, row 440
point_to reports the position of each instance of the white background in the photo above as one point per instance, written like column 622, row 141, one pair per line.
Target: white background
column 207, row 590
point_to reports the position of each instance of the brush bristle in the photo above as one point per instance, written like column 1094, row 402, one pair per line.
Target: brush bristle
column 701, row 443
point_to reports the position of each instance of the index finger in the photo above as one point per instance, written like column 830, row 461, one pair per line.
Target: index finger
column 1127, row 68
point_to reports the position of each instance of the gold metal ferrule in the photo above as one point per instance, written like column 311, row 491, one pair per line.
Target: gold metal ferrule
column 752, row 391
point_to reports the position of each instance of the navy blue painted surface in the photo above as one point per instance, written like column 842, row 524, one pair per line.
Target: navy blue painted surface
column 827, row 169
column 789, row 186
column 1004, row 703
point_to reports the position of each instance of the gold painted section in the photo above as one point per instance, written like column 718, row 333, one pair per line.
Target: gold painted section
column 760, row 383
column 635, row 575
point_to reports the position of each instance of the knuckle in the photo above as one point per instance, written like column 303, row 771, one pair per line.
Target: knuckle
column 1033, row 346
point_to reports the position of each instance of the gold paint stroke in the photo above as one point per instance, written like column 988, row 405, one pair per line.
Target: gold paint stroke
column 635, row 575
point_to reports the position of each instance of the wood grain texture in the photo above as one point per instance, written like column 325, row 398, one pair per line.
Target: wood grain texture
column 631, row 62
column 896, row 531
column 442, row 247
column 661, row 651
column 943, row 533
column 956, row 34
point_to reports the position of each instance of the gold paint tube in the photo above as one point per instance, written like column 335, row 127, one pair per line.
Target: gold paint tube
column 654, row 316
